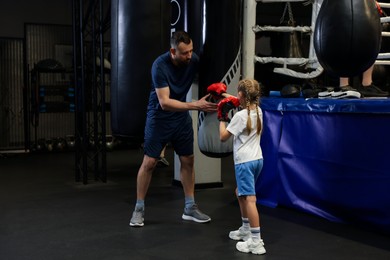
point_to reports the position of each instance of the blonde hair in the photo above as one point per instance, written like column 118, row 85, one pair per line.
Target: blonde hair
column 250, row 89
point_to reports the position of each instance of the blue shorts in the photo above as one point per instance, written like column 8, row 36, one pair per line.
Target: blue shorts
column 246, row 176
column 158, row 133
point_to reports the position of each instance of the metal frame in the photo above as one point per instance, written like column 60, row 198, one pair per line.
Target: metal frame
column 89, row 27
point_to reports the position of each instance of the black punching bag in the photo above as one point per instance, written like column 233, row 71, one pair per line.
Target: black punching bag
column 347, row 36
column 140, row 32
column 220, row 62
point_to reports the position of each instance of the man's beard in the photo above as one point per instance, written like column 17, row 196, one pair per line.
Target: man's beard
column 183, row 63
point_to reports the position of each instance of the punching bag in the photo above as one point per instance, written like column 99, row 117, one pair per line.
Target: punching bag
column 140, row 32
column 347, row 36
column 219, row 62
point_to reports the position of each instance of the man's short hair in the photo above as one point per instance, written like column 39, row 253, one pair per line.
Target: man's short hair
column 178, row 37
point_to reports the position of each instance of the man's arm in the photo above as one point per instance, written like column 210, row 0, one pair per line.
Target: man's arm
column 175, row 105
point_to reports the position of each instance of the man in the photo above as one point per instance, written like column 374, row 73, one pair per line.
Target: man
column 168, row 120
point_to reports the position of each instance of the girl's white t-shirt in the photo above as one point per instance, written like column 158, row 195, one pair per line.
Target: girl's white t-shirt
column 245, row 147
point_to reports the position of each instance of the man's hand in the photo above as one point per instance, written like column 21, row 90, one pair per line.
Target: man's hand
column 206, row 106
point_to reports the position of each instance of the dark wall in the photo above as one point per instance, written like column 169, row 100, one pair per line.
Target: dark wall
column 13, row 14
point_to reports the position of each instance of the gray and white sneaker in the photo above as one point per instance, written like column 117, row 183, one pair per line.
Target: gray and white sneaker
column 137, row 220
column 195, row 214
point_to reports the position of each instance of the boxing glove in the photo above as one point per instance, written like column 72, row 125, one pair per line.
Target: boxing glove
column 217, row 89
column 224, row 107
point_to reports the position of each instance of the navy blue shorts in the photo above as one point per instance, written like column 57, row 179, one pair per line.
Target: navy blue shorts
column 158, row 133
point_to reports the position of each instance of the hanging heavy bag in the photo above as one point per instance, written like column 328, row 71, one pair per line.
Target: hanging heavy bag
column 208, row 126
column 347, row 36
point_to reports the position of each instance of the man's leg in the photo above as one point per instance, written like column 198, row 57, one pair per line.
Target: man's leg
column 143, row 180
column 368, row 89
column 367, row 77
column 187, row 175
column 344, row 82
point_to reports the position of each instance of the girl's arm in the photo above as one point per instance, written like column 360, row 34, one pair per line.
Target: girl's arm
column 223, row 133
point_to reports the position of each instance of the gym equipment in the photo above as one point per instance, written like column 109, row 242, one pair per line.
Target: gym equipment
column 70, row 141
column 347, row 36
column 135, row 25
column 290, row 91
column 225, row 106
column 49, row 65
column 217, row 89
column 311, row 90
column 220, row 61
column 60, row 144
column 109, row 142
column 49, row 145
column 41, row 144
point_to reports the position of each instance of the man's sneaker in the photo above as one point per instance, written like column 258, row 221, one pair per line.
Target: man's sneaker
column 240, row 234
column 325, row 93
column 345, row 92
column 195, row 214
column 137, row 220
column 250, row 246
column 372, row 91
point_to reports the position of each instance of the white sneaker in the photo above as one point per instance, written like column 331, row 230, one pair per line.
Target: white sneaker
column 240, row 234
column 345, row 92
column 326, row 93
column 250, row 246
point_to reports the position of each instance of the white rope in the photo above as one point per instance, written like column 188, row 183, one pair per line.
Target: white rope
column 382, row 56
column 280, row 1
column 292, row 61
column 385, row 19
column 292, row 73
column 384, row 5
column 382, row 62
column 305, row 29
column 285, row 61
column 386, row 34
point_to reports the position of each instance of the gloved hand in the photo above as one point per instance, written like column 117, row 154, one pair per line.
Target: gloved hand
column 216, row 90
column 225, row 105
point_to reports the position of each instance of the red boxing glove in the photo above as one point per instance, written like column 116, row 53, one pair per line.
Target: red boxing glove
column 217, row 89
column 225, row 105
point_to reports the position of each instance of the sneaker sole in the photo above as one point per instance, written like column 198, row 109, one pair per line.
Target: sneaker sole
column 185, row 217
column 260, row 251
column 322, row 95
column 244, row 239
column 346, row 94
column 136, row 224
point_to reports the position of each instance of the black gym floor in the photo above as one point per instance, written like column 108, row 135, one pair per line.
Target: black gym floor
column 45, row 214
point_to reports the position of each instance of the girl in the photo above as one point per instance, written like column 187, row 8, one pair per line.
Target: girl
column 246, row 127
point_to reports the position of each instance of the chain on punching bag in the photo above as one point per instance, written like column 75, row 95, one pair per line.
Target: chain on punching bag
column 294, row 50
column 347, row 36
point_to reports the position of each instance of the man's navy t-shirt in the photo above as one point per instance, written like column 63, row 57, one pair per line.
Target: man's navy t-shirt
column 179, row 81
